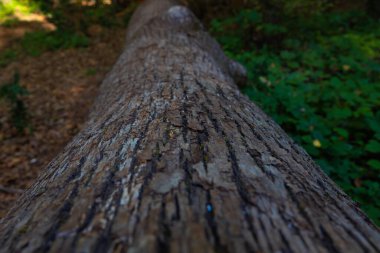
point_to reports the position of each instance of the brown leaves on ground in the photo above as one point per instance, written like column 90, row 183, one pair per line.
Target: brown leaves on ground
column 62, row 86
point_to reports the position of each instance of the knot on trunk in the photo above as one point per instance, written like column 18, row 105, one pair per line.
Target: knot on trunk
column 181, row 14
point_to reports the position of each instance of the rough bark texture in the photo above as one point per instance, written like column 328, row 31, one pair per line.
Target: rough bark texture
column 175, row 159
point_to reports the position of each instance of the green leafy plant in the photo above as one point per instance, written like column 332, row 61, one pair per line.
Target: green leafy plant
column 7, row 56
column 81, row 17
column 319, row 78
column 13, row 93
column 91, row 72
column 35, row 43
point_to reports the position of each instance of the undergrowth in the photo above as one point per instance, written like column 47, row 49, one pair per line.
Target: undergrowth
column 72, row 22
column 13, row 93
column 319, row 78
column 35, row 43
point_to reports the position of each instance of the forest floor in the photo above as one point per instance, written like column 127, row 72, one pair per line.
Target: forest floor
column 61, row 87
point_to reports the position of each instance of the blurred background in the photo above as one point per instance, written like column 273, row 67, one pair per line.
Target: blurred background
column 314, row 66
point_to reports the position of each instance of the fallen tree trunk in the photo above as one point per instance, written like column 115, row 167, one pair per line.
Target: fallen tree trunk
column 175, row 159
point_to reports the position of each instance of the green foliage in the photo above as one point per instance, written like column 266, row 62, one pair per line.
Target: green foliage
column 10, row 22
column 302, row 7
column 319, row 78
column 91, row 72
column 103, row 15
column 13, row 93
column 73, row 17
column 36, row 43
column 7, row 56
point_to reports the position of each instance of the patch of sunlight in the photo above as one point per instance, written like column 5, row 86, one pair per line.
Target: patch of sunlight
column 93, row 2
column 12, row 12
column 30, row 17
column 317, row 143
column 36, row 18
column 10, row 8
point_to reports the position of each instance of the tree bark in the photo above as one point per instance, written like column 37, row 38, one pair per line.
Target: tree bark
column 174, row 158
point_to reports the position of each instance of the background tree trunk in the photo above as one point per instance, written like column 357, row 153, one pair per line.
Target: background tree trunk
column 175, row 159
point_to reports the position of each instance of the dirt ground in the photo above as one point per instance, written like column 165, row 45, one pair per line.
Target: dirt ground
column 62, row 86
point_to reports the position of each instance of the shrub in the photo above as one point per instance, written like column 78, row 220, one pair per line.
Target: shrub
column 35, row 43
column 7, row 56
column 13, row 93
column 319, row 78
